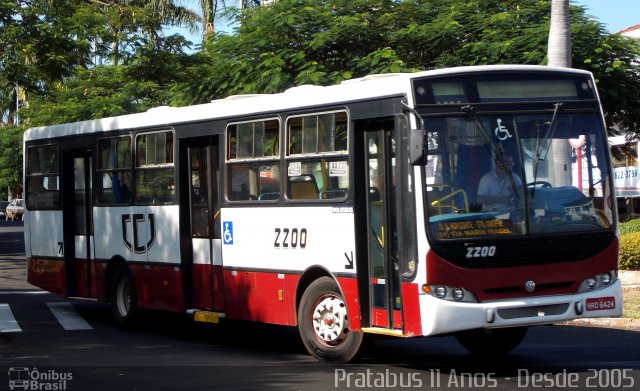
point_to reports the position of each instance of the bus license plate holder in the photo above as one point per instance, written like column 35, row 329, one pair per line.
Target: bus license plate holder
column 601, row 303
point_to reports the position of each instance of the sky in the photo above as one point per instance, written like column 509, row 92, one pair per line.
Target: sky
column 616, row 15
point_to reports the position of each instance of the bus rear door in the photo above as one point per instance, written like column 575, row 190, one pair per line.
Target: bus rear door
column 78, row 223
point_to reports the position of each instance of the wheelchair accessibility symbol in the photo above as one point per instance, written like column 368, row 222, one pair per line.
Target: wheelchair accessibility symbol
column 227, row 232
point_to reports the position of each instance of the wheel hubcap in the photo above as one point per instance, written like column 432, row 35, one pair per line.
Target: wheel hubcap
column 330, row 322
column 124, row 297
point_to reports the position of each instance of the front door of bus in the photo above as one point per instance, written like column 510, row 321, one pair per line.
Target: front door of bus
column 204, row 230
column 381, row 235
column 78, row 223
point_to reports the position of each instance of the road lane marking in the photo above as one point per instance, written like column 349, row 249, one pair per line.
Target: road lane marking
column 8, row 323
column 68, row 317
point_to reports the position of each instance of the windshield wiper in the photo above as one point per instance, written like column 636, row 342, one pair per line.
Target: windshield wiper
column 540, row 146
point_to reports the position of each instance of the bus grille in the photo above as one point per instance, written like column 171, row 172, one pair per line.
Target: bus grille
column 533, row 312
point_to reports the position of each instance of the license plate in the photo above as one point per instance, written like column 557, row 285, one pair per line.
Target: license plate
column 601, row 303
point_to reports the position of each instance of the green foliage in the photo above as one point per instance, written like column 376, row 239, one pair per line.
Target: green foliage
column 107, row 90
column 630, row 226
column 294, row 42
column 11, row 159
column 630, row 251
column 100, row 92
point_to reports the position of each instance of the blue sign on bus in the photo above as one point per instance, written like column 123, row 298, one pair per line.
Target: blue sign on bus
column 227, row 232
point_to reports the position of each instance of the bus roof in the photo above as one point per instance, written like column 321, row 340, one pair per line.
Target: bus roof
column 368, row 87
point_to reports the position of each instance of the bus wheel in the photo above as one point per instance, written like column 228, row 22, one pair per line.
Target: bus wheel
column 324, row 324
column 491, row 342
column 124, row 302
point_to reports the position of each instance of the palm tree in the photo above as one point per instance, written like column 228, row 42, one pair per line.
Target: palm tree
column 559, row 46
column 559, row 55
column 163, row 12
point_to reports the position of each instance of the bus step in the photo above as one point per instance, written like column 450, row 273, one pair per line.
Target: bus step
column 383, row 331
column 206, row 316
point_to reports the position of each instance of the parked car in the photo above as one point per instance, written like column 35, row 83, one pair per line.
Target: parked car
column 15, row 210
column 3, row 208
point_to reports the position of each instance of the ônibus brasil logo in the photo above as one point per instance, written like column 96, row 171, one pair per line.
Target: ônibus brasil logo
column 23, row 378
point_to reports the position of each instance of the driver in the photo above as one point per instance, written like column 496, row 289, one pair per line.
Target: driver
column 499, row 188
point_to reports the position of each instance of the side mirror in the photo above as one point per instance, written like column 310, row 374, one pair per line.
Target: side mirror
column 416, row 147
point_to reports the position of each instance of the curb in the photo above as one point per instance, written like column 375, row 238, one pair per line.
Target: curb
column 616, row 323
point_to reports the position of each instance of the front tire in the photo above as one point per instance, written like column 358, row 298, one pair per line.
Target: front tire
column 324, row 324
column 124, row 300
column 490, row 342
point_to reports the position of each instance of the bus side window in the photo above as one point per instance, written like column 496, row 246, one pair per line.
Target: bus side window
column 253, row 166
column 317, row 156
column 42, row 177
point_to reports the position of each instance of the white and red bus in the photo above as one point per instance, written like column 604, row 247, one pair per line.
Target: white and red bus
column 345, row 210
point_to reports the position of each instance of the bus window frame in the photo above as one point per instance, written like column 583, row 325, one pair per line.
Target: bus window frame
column 100, row 171
column 57, row 201
column 137, row 169
column 317, row 157
column 231, row 162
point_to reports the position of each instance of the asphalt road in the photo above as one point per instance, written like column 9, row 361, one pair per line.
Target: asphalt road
column 75, row 345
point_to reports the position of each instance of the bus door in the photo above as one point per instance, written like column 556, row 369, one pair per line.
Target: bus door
column 381, row 234
column 77, row 246
column 204, row 223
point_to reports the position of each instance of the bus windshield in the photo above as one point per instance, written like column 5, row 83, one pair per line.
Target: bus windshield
column 506, row 174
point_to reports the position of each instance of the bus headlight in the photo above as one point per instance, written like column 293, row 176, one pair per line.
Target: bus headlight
column 449, row 293
column 457, row 294
column 598, row 282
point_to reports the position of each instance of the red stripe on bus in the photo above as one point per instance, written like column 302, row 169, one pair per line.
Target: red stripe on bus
column 47, row 274
column 159, row 287
column 208, row 287
column 411, row 309
column 508, row 282
column 349, row 288
column 256, row 296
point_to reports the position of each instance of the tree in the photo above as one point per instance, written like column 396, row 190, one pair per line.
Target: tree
column 42, row 43
column 559, row 55
column 11, row 160
column 107, row 90
column 559, row 48
column 291, row 43
column 294, row 42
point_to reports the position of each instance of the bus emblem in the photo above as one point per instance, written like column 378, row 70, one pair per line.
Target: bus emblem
column 530, row 286
column 137, row 218
column 227, row 235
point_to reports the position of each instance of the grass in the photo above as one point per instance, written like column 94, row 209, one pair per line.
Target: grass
column 631, row 307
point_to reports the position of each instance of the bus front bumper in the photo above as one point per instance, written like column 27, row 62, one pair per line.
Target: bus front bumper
column 443, row 316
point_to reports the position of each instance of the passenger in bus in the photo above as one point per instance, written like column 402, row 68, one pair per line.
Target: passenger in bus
column 499, row 188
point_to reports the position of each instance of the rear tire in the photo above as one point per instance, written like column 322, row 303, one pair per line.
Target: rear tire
column 124, row 300
column 324, row 324
column 492, row 342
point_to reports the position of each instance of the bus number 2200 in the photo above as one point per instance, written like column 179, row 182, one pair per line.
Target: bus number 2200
column 290, row 238
column 481, row 252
